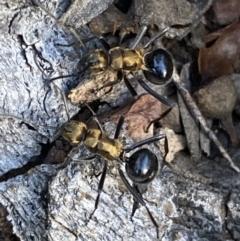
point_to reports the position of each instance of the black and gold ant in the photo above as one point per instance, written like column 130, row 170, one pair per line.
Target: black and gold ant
column 157, row 66
column 141, row 167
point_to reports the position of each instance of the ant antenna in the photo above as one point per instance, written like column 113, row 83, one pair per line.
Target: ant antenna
column 156, row 36
column 48, row 82
column 138, row 37
column 142, row 32
column 68, row 26
column 64, row 101
column 94, row 117
column 91, row 110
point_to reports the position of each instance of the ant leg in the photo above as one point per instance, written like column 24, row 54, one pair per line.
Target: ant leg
column 91, row 110
column 134, row 208
column 119, row 127
column 35, row 126
column 48, row 82
column 146, row 141
column 136, row 203
column 100, row 187
column 150, row 140
column 138, row 37
column 159, row 97
column 64, row 99
column 94, row 117
column 138, row 199
column 98, row 123
column 69, row 160
column 160, row 117
column 156, row 36
column 155, row 94
column 130, row 87
column 105, row 44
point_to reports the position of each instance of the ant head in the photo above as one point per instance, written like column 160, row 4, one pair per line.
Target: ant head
column 74, row 131
column 142, row 166
column 95, row 62
column 159, row 66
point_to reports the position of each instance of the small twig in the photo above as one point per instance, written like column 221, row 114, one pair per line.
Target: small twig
column 198, row 115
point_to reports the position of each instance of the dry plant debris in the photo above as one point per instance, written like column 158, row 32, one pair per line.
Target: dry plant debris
column 226, row 13
column 143, row 112
column 108, row 22
column 220, row 56
column 93, row 87
column 217, row 100
column 176, row 143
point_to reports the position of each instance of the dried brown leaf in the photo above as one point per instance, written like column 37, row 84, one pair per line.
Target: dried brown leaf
column 226, row 12
column 144, row 111
column 222, row 56
column 217, row 100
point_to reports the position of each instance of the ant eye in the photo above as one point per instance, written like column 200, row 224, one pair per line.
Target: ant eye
column 160, row 64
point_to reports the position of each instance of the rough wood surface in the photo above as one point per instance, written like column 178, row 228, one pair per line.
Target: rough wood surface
column 25, row 198
column 190, row 200
column 168, row 13
column 34, row 47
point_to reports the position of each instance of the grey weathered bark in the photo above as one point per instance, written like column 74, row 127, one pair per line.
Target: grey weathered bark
column 34, row 47
column 190, row 201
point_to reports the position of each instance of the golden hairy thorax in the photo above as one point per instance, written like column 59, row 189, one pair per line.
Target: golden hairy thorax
column 118, row 58
column 99, row 60
column 126, row 59
column 102, row 145
column 96, row 141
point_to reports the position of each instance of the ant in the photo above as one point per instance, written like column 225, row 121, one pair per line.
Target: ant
column 157, row 66
column 141, row 167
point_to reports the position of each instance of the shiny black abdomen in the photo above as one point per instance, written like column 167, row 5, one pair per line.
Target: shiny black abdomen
column 160, row 64
column 142, row 166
